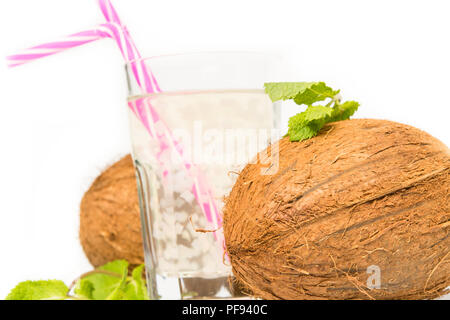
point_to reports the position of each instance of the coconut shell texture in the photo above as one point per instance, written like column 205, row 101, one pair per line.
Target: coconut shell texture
column 110, row 225
column 362, row 193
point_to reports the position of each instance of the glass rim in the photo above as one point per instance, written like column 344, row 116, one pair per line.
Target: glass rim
column 272, row 55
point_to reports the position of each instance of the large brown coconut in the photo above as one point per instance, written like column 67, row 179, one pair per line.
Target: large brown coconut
column 363, row 196
column 110, row 225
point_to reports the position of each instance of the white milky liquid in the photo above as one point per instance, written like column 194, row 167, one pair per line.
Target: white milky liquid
column 218, row 131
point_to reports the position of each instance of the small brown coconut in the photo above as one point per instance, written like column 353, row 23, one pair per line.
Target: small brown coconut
column 364, row 196
column 110, row 225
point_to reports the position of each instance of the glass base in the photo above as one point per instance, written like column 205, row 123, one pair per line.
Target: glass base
column 196, row 288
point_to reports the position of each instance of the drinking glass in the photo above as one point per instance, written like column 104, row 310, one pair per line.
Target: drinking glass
column 208, row 117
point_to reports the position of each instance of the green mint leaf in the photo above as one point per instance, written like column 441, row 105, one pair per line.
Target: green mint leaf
column 116, row 266
column 108, row 282
column 119, row 291
column 136, row 288
column 344, row 111
column 304, row 132
column 316, row 92
column 39, row 290
column 84, row 289
column 285, row 90
column 313, row 113
column 108, row 286
column 307, row 124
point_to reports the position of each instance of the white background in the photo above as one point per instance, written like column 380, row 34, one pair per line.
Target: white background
column 63, row 118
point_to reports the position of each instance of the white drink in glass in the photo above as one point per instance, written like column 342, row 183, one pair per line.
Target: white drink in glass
column 219, row 131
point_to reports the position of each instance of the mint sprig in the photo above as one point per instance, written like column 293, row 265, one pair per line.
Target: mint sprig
column 308, row 123
column 108, row 282
column 39, row 290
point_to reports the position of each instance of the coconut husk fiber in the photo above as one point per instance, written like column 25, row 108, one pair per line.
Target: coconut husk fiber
column 362, row 193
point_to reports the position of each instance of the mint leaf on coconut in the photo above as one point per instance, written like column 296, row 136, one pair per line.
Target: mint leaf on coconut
column 308, row 123
column 285, row 90
column 314, row 93
column 39, row 290
column 344, row 111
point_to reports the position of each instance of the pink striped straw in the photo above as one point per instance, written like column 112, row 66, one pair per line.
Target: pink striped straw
column 156, row 127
